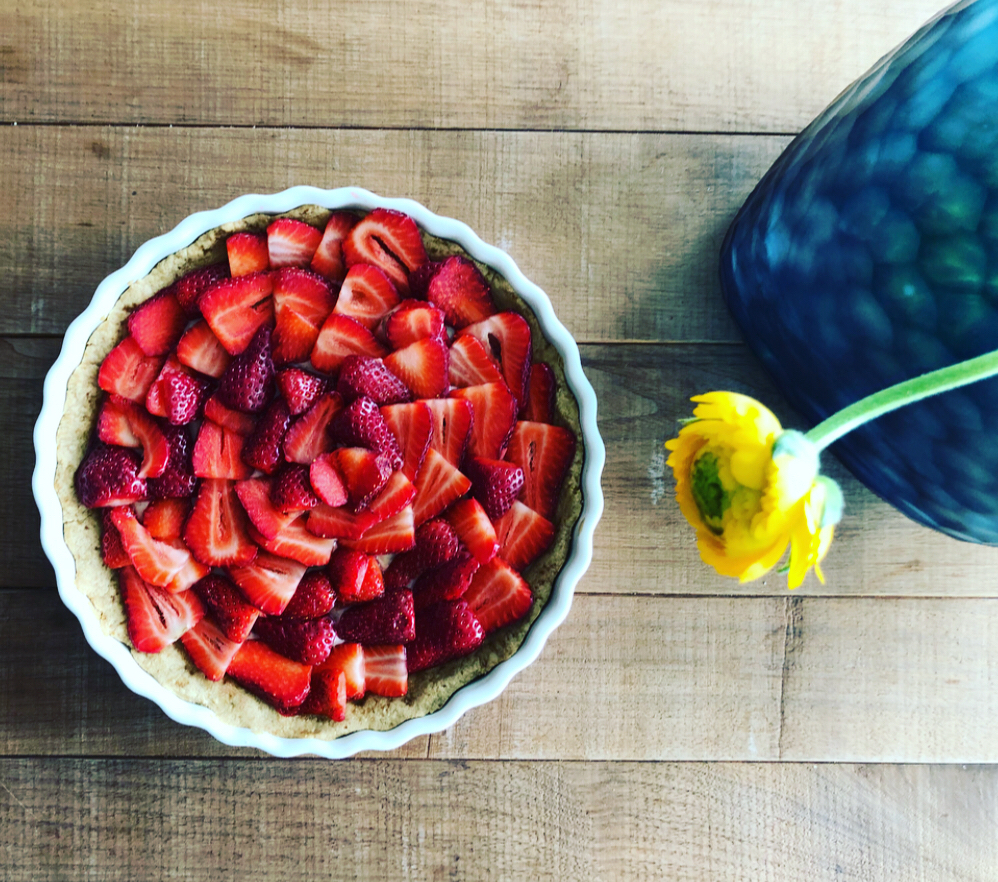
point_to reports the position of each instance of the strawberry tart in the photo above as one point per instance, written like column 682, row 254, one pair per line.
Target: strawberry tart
column 318, row 471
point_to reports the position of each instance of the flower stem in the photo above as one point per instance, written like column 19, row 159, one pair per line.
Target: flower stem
column 908, row 392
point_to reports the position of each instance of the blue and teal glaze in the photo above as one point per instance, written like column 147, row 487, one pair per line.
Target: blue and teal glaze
column 868, row 254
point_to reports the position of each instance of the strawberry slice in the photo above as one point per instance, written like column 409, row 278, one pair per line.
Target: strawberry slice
column 307, row 437
column 279, row 681
column 158, row 563
column 165, row 518
column 339, row 522
column 191, row 571
column 200, row 350
column 314, row 597
column 544, row 453
column 461, row 292
column 498, row 595
column 248, row 382
column 302, row 301
column 297, row 543
column 216, row 532
column 177, row 393
column 268, row 581
column 326, row 481
column 389, row 240
column 398, row 493
column 291, row 242
column 291, row 490
column 327, row 696
column 123, row 423
column 422, row 366
column 507, row 336
column 412, row 426
column 110, row 476
column 389, row 619
column 264, row 448
column 339, row 337
column 218, row 453
column 209, row 649
column 495, row 483
column 452, row 422
column 412, row 321
column 248, row 253
column 328, row 258
column 157, row 324
column 444, row 631
column 254, row 495
column 438, row 484
column 390, row 536
column 449, row 581
column 233, row 420
column 305, row 641
column 127, row 371
column 190, row 287
column 236, row 309
column 347, row 658
column 156, row 618
column 367, row 296
column 474, row 529
column 494, row 411
column 364, row 473
column 348, row 573
column 227, row 606
column 300, row 389
column 112, row 551
column 361, row 424
column 436, row 543
column 419, row 280
column 362, row 375
column 538, row 403
column 523, row 535
column 470, row 364
column 178, row 479
column 385, row 671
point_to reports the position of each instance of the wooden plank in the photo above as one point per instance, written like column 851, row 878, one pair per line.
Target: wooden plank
column 129, row 819
column 725, row 65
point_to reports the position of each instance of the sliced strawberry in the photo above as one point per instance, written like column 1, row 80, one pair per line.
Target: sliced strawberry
column 438, row 484
column 178, row 479
column 367, row 295
column 544, row 453
column 307, row 437
column 419, row 280
column 190, row 572
column 227, row 606
column 302, row 301
column 190, row 287
column 389, row 240
column 177, row 393
column 236, row 309
column 494, row 411
column 297, row 543
column 299, row 388
column 326, row 481
column 448, row 581
column 112, row 551
column 461, row 292
column 452, row 422
column 248, row 382
column 264, row 448
column 348, row 573
column 328, row 258
column 364, row 473
column 157, row 324
column 470, row 364
column 362, row 375
column 268, row 581
column 339, row 337
column 498, row 595
column 506, row 336
column 361, row 424
column 165, row 518
column 444, row 631
column 414, row 320
column 422, row 366
column 538, row 403
column 155, row 617
column 385, row 671
column 495, row 483
column 158, row 563
column 374, row 581
column 200, row 350
column 314, row 597
column 291, row 242
column 412, row 426
column 282, row 683
column 110, row 476
column 291, row 490
column 248, row 253
column 523, row 535
column 390, row 536
column 254, row 495
column 216, row 530
column 339, row 522
column 218, row 453
column 397, row 493
column 474, row 529
column 306, row 641
column 126, row 424
column 436, row 543
column 127, row 371
column 233, row 420
column 209, row 649
column 327, row 696
column 389, row 619
column 347, row 658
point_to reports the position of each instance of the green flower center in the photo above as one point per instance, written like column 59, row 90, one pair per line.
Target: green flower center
column 711, row 499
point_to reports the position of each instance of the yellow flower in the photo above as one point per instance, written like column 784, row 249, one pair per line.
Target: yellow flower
column 752, row 489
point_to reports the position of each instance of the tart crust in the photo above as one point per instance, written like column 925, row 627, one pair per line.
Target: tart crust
column 428, row 690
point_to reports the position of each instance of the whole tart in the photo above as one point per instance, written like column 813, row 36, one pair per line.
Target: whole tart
column 225, row 708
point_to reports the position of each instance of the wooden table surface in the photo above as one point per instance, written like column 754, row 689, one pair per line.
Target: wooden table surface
column 678, row 725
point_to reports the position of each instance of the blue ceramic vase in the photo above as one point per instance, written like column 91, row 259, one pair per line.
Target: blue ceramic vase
column 868, row 254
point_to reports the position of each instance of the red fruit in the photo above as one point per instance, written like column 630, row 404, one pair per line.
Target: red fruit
column 398, row 493
column 471, row 365
column 112, row 551
column 157, row 324
column 233, row 420
column 390, row 536
column 110, row 476
column 291, row 242
column 178, row 479
column 209, row 649
column 297, row 543
column 385, row 671
column 291, row 489
column 474, row 529
column 264, row 448
column 200, row 350
column 449, row 581
column 308, row 437
column 158, row 563
column 299, row 388
column 127, row 371
column 523, row 535
column 498, row 595
column 216, row 530
column 277, row 680
column 436, row 543
column 314, row 597
column 389, row 240
column 538, row 403
column 189, row 288
column 495, row 483
column 123, row 423
column 155, row 617
column 438, row 484
column 236, row 309
column 218, row 453
column 165, row 518
column 461, row 292
column 544, row 453
column 507, row 336
column 367, row 295
column 248, row 253
column 414, row 320
column 248, row 382
column 177, row 393
column 328, row 257
column 494, row 416
column 302, row 301
column 254, row 496
column 361, row 424
column 412, row 426
column 327, row 696
column 227, row 606
column 422, row 366
column 452, row 422
column 339, row 522
column 347, row 570
column 388, row 619
column 326, row 480
column 444, row 631
column 364, row 473
column 268, row 581
column 305, row 641
column 347, row 658
column 361, row 375
column 339, row 337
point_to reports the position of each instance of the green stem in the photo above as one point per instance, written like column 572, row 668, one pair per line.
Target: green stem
column 908, row 392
